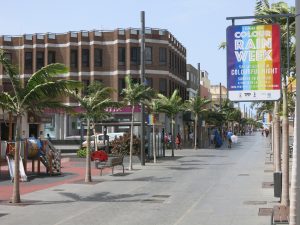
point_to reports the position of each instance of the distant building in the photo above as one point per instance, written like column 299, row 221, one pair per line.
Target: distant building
column 103, row 56
column 205, row 85
column 193, row 81
column 217, row 91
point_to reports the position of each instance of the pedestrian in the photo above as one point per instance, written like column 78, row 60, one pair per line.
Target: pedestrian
column 262, row 132
column 267, row 133
column 217, row 139
column 229, row 134
column 49, row 138
column 166, row 139
column 191, row 137
column 170, row 141
column 178, row 141
column 212, row 138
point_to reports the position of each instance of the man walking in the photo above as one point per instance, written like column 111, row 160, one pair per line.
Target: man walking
column 229, row 134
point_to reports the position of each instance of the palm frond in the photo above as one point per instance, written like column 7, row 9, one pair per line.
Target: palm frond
column 7, row 102
column 48, row 89
column 45, row 74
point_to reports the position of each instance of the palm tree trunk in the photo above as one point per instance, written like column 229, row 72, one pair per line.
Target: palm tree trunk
column 285, row 150
column 131, row 138
column 195, row 129
column 153, row 141
column 88, row 176
column 16, row 187
column 173, row 134
column 295, row 182
column 277, row 155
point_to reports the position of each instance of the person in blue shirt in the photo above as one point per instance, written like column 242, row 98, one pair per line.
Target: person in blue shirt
column 229, row 134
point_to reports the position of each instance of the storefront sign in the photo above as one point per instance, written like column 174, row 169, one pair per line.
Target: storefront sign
column 253, row 62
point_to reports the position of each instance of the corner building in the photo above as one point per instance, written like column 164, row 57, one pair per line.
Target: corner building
column 104, row 56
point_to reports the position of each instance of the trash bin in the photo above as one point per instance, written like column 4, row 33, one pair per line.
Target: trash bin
column 277, row 184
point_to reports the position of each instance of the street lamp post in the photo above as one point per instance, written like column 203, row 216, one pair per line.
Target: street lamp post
column 200, row 118
column 142, row 77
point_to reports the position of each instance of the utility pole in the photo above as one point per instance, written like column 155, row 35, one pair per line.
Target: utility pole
column 142, row 77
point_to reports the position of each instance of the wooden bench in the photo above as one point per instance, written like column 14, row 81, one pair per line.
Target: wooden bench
column 280, row 215
column 112, row 161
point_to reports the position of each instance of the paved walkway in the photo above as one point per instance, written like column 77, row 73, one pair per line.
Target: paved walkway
column 203, row 187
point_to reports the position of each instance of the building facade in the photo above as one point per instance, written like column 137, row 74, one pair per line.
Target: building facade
column 104, row 56
column 218, row 91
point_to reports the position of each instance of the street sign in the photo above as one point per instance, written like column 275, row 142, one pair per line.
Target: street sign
column 253, row 62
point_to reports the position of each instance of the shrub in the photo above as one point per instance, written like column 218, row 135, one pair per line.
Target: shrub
column 81, row 153
column 121, row 145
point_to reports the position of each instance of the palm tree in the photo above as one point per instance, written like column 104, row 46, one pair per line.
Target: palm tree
column 283, row 8
column 134, row 94
column 228, row 110
column 196, row 106
column 39, row 92
column 153, row 107
column 94, row 105
column 171, row 106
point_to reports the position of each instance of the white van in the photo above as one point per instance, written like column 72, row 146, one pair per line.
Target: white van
column 100, row 139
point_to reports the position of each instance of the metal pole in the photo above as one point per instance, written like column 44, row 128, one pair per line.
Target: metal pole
column 142, row 77
column 200, row 119
column 244, row 111
column 220, row 96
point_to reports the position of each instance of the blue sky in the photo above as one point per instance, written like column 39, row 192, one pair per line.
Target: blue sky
column 198, row 24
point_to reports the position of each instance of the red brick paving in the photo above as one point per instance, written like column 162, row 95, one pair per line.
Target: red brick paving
column 77, row 169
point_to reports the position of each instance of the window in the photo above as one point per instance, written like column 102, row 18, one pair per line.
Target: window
column 51, row 57
column 28, row 60
column 121, row 56
column 163, row 86
column 149, row 82
column 98, row 57
column 39, row 60
column 135, row 55
column 86, row 84
column 74, row 58
column 148, row 55
column 8, row 57
column 170, row 59
column 121, row 85
column 85, row 57
column 162, row 56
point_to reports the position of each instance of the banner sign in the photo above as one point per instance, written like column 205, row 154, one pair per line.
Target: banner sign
column 253, row 62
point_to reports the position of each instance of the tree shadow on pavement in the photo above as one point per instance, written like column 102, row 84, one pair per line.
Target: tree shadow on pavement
column 149, row 178
column 104, row 197
column 183, row 168
column 26, row 202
